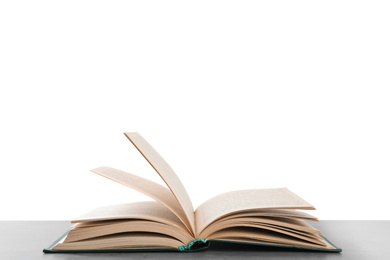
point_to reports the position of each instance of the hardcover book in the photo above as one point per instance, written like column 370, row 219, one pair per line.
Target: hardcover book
column 264, row 217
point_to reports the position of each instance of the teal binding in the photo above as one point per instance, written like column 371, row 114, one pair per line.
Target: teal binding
column 190, row 244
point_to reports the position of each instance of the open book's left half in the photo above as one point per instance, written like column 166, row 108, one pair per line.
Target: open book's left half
column 268, row 217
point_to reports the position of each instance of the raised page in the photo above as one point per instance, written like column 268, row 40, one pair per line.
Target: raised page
column 166, row 173
column 147, row 187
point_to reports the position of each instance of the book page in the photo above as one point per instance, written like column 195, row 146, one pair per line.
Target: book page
column 252, row 224
column 147, row 187
column 166, row 173
column 88, row 230
column 147, row 210
column 133, row 240
column 275, row 213
column 266, row 236
column 242, row 200
column 261, row 222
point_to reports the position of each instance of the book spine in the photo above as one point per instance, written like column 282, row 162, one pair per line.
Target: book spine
column 190, row 244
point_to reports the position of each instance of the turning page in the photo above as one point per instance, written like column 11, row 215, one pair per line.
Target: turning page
column 147, row 187
column 165, row 172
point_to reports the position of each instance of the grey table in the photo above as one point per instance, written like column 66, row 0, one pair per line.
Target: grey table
column 358, row 239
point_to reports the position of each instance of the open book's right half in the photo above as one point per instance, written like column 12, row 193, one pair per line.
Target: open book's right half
column 264, row 217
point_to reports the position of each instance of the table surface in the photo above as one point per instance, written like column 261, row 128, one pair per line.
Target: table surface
column 358, row 239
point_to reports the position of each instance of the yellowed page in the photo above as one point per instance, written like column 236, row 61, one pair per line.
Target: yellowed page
column 260, row 227
column 280, row 223
column 257, row 236
column 242, row 200
column 166, row 173
column 122, row 241
column 275, row 213
column 87, row 230
column 147, row 210
column 147, row 187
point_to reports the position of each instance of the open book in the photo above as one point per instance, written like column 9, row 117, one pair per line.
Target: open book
column 267, row 217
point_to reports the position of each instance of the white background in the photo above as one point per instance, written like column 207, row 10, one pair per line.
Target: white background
column 233, row 94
